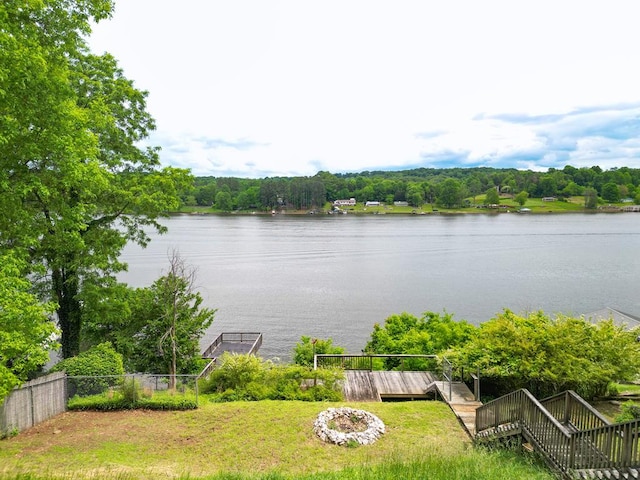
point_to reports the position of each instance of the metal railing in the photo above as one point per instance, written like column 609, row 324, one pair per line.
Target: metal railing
column 367, row 361
column 254, row 338
column 447, row 374
column 146, row 384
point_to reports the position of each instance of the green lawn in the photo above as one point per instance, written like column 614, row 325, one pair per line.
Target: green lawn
column 254, row 440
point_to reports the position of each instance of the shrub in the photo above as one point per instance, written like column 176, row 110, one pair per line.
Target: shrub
column 245, row 377
column 628, row 411
column 304, row 350
column 235, row 371
column 101, row 362
column 132, row 390
column 124, row 400
column 548, row 355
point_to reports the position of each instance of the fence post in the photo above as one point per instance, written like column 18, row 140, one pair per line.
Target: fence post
column 32, row 407
column 476, row 386
column 627, row 444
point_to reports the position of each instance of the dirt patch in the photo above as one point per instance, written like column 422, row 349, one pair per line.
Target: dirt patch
column 348, row 424
column 84, row 429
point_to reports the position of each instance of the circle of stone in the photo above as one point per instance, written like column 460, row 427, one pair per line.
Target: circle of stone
column 375, row 426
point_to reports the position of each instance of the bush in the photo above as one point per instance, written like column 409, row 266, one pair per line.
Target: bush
column 245, row 377
column 307, row 347
column 99, row 361
column 628, row 411
column 548, row 355
column 124, row 400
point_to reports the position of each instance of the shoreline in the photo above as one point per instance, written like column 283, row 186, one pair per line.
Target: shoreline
column 442, row 212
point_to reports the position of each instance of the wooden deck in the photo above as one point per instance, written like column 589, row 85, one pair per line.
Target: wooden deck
column 233, row 343
column 241, row 343
column 376, row 386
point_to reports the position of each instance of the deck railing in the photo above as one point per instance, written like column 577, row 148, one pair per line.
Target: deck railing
column 366, row 361
column 605, row 446
column 447, row 374
column 235, row 337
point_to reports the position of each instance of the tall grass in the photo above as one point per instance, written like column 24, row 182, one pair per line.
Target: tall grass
column 472, row 465
column 266, row 440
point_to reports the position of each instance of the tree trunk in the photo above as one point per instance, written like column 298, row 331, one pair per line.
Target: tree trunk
column 65, row 289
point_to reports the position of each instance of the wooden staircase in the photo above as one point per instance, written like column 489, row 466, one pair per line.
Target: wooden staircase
column 573, row 438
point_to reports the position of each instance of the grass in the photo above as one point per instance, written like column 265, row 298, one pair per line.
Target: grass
column 628, row 389
column 253, row 440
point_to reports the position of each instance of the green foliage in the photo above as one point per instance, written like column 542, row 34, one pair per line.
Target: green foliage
column 628, row 411
column 102, row 364
column 549, row 355
column 223, row 201
column 246, row 377
column 450, row 193
column 75, row 185
column 236, row 371
column 131, row 390
column 26, row 330
column 305, row 349
column 521, row 198
column 156, row 329
column 492, row 197
column 99, row 360
column 610, row 192
column 171, row 320
column 420, row 185
column 118, row 401
column 431, row 334
column 590, row 198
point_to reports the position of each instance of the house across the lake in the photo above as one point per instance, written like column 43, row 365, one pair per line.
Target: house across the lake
column 345, row 203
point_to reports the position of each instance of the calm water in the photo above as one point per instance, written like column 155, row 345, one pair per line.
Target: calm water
column 336, row 276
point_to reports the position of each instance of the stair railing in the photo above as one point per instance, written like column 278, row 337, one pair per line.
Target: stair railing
column 571, row 447
column 572, row 410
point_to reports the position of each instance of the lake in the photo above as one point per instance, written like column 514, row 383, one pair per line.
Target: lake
column 337, row 275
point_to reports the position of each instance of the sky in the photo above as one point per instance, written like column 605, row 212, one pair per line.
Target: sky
column 262, row 88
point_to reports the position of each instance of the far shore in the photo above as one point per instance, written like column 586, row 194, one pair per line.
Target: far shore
column 558, row 208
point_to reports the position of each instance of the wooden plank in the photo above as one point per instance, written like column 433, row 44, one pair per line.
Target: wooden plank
column 402, row 384
column 462, row 403
column 358, row 387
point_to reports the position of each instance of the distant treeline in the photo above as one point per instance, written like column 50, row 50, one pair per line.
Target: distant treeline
column 449, row 187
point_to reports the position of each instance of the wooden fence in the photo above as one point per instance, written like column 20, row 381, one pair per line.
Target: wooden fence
column 34, row 402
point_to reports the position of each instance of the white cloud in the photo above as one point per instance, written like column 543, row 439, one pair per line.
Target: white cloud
column 350, row 85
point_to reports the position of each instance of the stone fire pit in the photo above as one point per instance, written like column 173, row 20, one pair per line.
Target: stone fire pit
column 344, row 425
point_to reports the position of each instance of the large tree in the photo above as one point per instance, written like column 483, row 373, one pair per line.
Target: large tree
column 171, row 320
column 450, row 193
column 75, row 184
column 157, row 328
column 430, row 334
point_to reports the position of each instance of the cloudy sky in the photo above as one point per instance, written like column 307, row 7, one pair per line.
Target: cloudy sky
column 257, row 88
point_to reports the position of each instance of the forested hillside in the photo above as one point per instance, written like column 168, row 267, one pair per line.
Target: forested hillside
column 451, row 187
